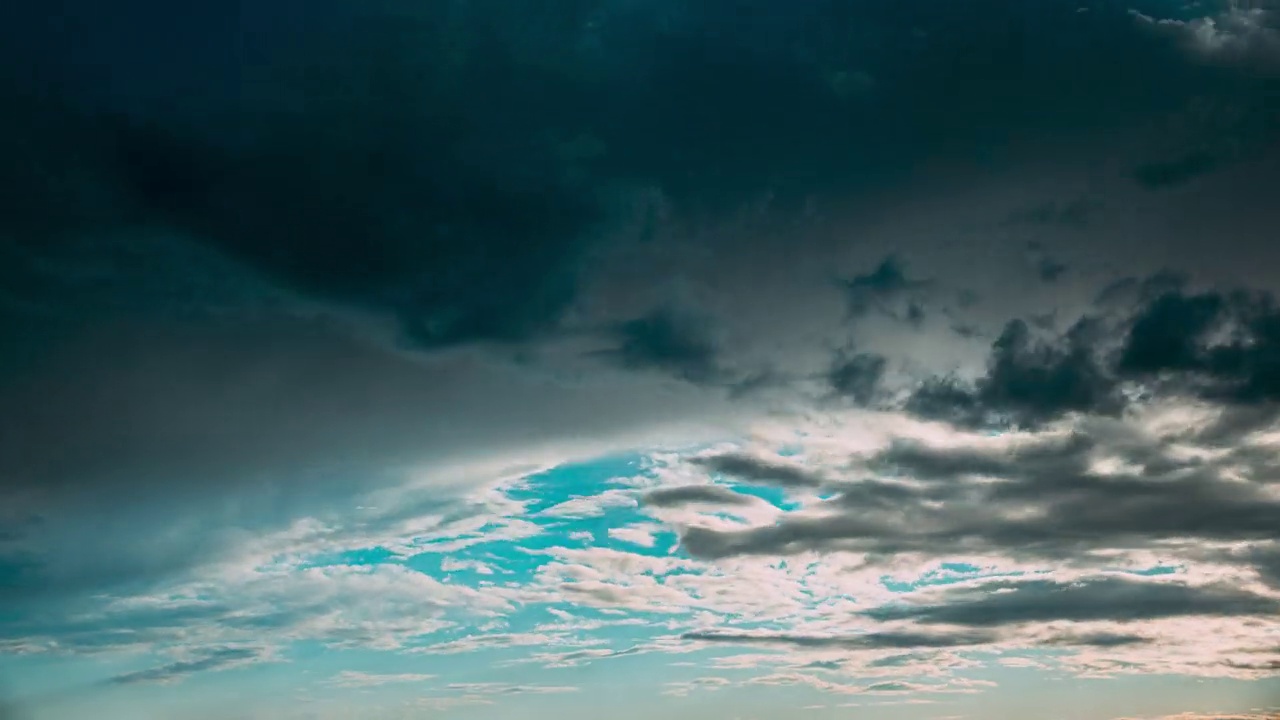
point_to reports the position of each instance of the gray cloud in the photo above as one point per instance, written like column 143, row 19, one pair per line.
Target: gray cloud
column 1245, row 35
column 1046, row 501
column 669, row 341
column 1050, row 270
column 1027, row 382
column 208, row 434
column 883, row 289
column 212, row 660
column 1098, row 640
column 691, row 494
column 759, row 471
column 1218, row 345
column 856, row 376
column 869, row 641
column 1099, row 599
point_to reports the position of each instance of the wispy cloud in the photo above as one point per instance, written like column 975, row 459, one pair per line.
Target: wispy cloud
column 202, row 661
column 357, row 679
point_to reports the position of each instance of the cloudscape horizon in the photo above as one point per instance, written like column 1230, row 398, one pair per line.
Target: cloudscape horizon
column 728, row 360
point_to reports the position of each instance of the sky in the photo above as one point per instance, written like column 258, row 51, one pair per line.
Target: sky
column 729, row 360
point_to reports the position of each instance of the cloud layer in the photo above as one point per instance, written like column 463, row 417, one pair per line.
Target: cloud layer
column 418, row 357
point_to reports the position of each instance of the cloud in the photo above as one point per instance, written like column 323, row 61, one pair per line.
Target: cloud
column 356, row 679
column 329, row 605
column 1101, row 599
column 1050, row 270
column 1099, row 640
column 473, row 643
column 856, row 376
column 636, row 535
column 1027, row 382
column 590, row 505
column 882, row 288
column 507, row 689
column 670, row 342
column 1166, row 334
column 389, row 171
column 272, row 353
column 215, row 434
column 219, row 659
column 869, row 641
column 1216, row 345
column 683, row 688
column 1048, row 497
column 1240, row 35
column 695, row 494
column 758, row 470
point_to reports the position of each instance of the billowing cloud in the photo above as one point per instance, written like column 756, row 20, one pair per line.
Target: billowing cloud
column 1245, row 33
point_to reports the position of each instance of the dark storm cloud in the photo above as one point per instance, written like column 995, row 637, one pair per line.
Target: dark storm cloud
column 691, row 494
column 669, row 341
column 1028, row 381
column 756, row 470
column 882, row 288
column 379, row 212
column 1217, row 345
column 214, row 660
column 1168, row 334
column 371, row 197
column 869, row 641
column 1112, row 599
column 1050, row 270
column 856, row 376
column 1223, row 346
column 1047, row 267
column 454, row 167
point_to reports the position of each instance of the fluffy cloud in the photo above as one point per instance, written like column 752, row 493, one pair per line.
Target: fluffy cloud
column 1244, row 33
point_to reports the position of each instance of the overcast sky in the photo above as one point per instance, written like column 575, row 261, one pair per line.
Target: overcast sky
column 728, row 359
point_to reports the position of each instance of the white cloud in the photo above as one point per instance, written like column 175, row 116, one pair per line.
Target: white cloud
column 1242, row 35
column 591, row 505
column 641, row 535
column 355, row 679
column 507, row 689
